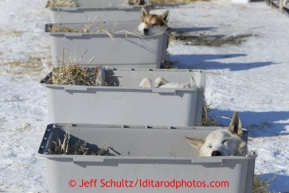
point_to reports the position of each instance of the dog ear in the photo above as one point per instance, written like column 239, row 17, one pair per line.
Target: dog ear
column 196, row 143
column 165, row 15
column 143, row 12
column 146, row 83
column 236, row 125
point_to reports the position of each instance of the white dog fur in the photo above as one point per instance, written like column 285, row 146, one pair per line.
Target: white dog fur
column 222, row 142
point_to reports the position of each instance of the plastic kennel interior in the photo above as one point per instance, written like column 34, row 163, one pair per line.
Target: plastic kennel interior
column 96, row 10
column 109, row 44
column 126, row 103
column 155, row 159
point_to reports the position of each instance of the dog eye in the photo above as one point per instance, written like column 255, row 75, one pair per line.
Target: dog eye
column 154, row 25
column 225, row 141
column 209, row 146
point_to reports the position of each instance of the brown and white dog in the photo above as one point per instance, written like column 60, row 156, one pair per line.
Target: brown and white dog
column 152, row 24
column 136, row 2
column 222, row 142
column 100, row 76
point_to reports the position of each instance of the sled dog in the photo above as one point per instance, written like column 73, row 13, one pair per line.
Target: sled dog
column 222, row 142
column 136, row 2
column 160, row 82
column 152, row 24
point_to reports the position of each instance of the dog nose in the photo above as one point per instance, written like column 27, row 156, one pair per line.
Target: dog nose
column 216, row 153
column 145, row 30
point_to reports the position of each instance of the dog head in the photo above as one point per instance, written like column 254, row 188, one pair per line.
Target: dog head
column 136, row 2
column 152, row 24
column 222, row 142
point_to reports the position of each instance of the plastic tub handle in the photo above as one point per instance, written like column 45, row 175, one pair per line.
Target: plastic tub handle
column 85, row 159
column 70, row 8
column 73, row 34
column 76, row 88
column 125, row 7
column 164, row 90
column 208, row 160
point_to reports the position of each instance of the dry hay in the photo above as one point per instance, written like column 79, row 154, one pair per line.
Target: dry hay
column 79, row 148
column 260, row 185
column 59, row 28
column 31, row 67
column 70, row 72
column 73, row 74
column 206, row 119
column 87, row 28
column 167, row 64
column 61, row 3
column 19, row 67
column 173, row 37
column 135, row 33
column 11, row 33
column 213, row 41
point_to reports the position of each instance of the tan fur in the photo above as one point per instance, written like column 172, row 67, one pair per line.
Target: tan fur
column 222, row 142
column 153, row 23
column 100, row 76
column 136, row 2
column 153, row 20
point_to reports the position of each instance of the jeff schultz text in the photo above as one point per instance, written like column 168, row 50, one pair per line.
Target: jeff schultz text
column 149, row 183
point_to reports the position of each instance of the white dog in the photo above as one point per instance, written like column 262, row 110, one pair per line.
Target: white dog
column 222, row 142
column 160, row 82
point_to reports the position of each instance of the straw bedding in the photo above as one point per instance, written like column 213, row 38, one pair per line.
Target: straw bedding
column 61, row 3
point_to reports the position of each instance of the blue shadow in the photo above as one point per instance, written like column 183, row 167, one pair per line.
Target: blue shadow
column 280, row 183
column 258, row 124
column 202, row 62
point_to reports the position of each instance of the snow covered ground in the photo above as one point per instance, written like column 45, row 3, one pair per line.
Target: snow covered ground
column 250, row 77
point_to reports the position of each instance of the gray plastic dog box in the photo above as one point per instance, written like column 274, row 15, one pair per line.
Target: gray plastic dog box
column 122, row 50
column 127, row 103
column 95, row 11
column 154, row 159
